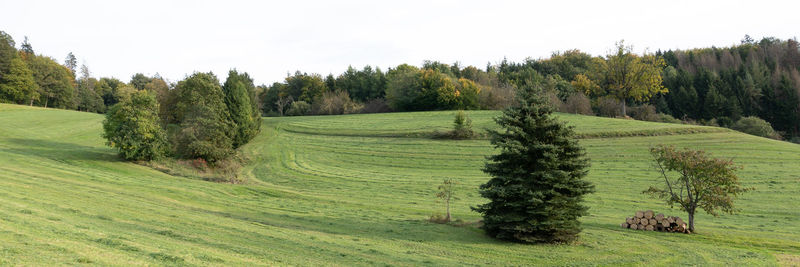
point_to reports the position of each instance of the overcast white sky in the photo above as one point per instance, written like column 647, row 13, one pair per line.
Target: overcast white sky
column 269, row 39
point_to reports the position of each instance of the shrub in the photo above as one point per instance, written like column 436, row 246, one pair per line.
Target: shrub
column 299, row 108
column 335, row 103
column 204, row 134
column 462, row 126
column 755, row 126
column 133, row 127
column 553, row 101
column 498, row 97
column 667, row 118
column 377, row 105
column 607, row 107
column 644, row 112
column 578, row 104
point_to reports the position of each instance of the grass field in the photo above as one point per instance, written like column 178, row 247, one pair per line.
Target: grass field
column 356, row 190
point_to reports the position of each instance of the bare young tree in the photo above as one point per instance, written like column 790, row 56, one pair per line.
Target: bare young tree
column 447, row 194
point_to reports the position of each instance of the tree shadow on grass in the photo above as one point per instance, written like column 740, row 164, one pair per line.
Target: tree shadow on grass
column 58, row 151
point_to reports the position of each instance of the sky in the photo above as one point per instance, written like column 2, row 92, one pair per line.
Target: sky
column 270, row 39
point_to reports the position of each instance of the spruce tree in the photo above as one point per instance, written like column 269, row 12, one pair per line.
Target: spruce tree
column 537, row 185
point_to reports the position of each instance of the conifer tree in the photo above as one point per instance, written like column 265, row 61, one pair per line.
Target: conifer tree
column 537, row 185
column 243, row 114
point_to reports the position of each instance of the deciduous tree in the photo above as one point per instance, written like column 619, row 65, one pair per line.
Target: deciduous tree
column 701, row 181
column 628, row 76
column 18, row 85
column 132, row 127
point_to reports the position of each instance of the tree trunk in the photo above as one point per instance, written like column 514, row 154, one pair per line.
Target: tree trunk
column 623, row 109
column 691, row 221
column 447, row 218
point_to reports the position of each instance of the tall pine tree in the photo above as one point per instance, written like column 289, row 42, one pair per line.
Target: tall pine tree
column 537, row 185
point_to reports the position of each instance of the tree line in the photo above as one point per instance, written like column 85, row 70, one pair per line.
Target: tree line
column 753, row 80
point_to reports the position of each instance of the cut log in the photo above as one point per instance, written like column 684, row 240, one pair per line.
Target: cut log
column 681, row 228
column 629, row 220
column 653, row 222
column 634, row 226
column 659, row 217
column 624, row 225
column 664, row 224
column 671, row 219
column 679, row 221
column 640, row 214
column 637, row 220
column 649, row 228
column 648, row 214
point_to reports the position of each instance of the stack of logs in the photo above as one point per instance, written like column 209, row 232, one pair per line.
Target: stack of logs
column 648, row 221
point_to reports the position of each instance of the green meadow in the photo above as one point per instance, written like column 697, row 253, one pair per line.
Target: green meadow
column 357, row 190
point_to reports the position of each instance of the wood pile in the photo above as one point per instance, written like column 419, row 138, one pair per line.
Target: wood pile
column 649, row 221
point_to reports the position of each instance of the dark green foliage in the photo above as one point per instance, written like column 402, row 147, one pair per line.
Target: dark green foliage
column 132, row 127
column 139, row 81
column 537, row 185
column 27, row 47
column 55, row 82
column 71, row 63
column 238, row 89
column 362, row 85
column 401, row 88
column 88, row 99
column 7, row 52
column 304, row 87
column 205, row 131
column 107, row 88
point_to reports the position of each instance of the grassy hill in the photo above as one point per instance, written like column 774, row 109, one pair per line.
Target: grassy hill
column 356, row 190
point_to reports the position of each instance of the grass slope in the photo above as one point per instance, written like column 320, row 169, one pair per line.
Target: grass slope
column 355, row 190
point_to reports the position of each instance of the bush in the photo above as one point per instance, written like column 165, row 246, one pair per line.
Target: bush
column 462, row 126
column 755, row 126
column 553, row 101
column 204, row 134
column 377, row 105
column 133, row 127
column 644, row 112
column 667, row 118
column 578, row 104
column 335, row 103
column 607, row 107
column 499, row 97
column 299, row 108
